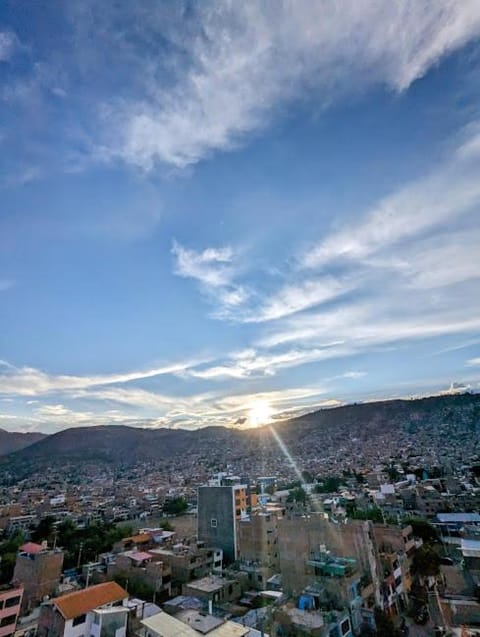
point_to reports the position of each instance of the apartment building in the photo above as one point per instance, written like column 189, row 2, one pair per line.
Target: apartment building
column 144, row 566
column 219, row 509
column 10, row 604
column 38, row 569
column 189, row 561
column 97, row 611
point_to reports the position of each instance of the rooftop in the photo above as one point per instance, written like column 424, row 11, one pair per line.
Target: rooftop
column 80, row 602
column 168, row 626
column 32, row 548
column 208, row 584
column 471, row 518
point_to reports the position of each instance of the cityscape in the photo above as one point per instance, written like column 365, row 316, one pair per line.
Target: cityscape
column 240, row 318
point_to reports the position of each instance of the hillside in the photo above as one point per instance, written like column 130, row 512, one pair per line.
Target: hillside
column 433, row 426
column 12, row 441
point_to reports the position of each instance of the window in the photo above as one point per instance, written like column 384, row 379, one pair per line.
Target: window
column 12, row 601
column 213, row 523
column 79, row 619
column 6, row 621
column 345, row 626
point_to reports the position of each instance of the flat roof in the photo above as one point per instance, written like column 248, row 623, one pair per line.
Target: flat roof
column 208, row 584
column 459, row 517
column 168, row 626
column 470, row 548
column 199, row 621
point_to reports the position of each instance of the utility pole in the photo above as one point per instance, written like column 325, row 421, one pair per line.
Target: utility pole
column 79, row 561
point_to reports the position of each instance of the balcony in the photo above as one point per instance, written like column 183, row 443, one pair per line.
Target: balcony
column 332, row 566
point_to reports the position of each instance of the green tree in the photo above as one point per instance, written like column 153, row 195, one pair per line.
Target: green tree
column 307, row 476
column 44, row 530
column 8, row 555
column 385, row 626
column 360, row 478
column 423, row 529
column 135, row 586
column 330, row 484
column 175, row 506
column 88, row 542
column 426, row 561
column 297, row 495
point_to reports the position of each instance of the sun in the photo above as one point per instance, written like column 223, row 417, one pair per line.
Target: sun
column 260, row 413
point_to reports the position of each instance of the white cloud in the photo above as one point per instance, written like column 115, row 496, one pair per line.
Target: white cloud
column 265, row 364
column 241, row 61
column 28, row 381
column 144, row 408
column 365, row 326
column 443, row 260
column 8, row 44
column 293, row 298
column 353, row 375
column 215, row 270
column 430, row 203
column 212, row 266
column 474, row 362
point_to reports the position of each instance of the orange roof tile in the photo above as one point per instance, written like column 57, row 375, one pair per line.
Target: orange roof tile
column 73, row 604
column 31, row 548
column 138, row 539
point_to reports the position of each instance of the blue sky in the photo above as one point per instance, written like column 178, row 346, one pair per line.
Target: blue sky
column 222, row 213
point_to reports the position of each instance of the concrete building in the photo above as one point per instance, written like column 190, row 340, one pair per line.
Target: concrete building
column 300, row 539
column 145, row 567
column 189, row 561
column 395, row 548
column 192, row 624
column 258, row 547
column 291, row 621
column 97, row 611
column 38, row 569
column 213, row 589
column 10, row 604
column 219, row 509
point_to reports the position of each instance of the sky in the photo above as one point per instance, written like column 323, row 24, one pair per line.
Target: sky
column 224, row 213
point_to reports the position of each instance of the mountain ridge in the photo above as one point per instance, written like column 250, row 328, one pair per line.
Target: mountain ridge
column 125, row 443
column 11, row 441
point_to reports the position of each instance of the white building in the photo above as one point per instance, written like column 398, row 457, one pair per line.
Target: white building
column 97, row 611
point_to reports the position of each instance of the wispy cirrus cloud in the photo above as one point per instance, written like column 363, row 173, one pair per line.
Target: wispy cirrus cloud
column 29, row 381
column 215, row 270
column 293, row 298
column 205, row 79
column 264, row 363
column 243, row 61
column 430, row 203
column 421, row 237
column 212, row 266
column 8, row 43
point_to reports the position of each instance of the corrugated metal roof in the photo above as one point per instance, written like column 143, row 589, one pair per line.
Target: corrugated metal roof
column 459, row 517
